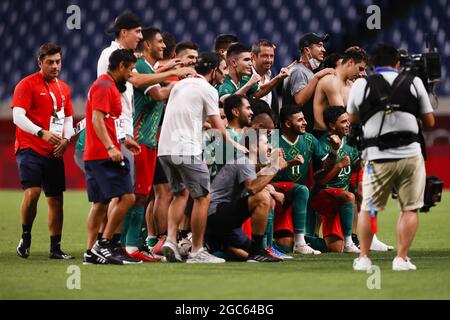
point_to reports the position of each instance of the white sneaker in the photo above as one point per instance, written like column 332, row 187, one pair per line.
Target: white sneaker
column 184, row 247
column 203, row 256
column 377, row 245
column 362, row 264
column 305, row 249
column 351, row 249
column 400, row 264
column 170, row 251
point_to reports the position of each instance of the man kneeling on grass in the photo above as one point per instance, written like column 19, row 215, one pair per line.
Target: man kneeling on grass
column 239, row 193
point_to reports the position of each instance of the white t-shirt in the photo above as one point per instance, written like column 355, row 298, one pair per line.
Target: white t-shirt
column 396, row 121
column 126, row 97
column 190, row 102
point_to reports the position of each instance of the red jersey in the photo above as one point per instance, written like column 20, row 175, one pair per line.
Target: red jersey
column 103, row 96
column 33, row 94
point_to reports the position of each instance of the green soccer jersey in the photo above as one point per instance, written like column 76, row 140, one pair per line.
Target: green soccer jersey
column 306, row 145
column 81, row 140
column 148, row 112
column 229, row 86
column 217, row 153
column 342, row 179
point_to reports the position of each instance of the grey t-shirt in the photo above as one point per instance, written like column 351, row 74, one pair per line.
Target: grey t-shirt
column 297, row 80
column 228, row 185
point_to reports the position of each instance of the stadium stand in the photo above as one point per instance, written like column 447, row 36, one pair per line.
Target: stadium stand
column 25, row 25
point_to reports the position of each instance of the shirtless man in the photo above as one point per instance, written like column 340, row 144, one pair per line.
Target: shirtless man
column 332, row 90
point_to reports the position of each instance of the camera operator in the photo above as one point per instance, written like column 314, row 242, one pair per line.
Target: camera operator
column 388, row 104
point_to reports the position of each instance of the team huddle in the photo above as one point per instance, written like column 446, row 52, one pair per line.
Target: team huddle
column 193, row 158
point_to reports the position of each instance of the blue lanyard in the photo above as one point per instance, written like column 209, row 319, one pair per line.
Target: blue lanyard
column 381, row 69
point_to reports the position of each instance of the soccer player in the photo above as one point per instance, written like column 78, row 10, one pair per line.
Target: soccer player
column 223, row 42
column 42, row 113
column 296, row 142
column 241, row 79
column 149, row 105
column 333, row 90
column 331, row 197
column 230, row 207
column 107, row 170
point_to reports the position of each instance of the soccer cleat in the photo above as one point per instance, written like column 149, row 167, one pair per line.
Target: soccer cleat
column 351, row 249
column 139, row 255
column 60, row 255
column 112, row 255
column 377, row 245
column 305, row 249
column 355, row 239
column 203, row 256
column 170, row 251
column 123, row 254
column 92, row 259
column 400, row 264
column 184, row 247
column 262, row 256
column 278, row 254
column 362, row 264
column 23, row 249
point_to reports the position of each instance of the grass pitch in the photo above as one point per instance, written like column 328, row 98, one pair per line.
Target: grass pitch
column 327, row 276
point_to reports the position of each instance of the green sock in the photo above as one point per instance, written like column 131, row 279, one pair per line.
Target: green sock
column 134, row 229
column 317, row 243
column 282, row 248
column 268, row 234
column 310, row 221
column 299, row 205
column 125, row 225
column 347, row 211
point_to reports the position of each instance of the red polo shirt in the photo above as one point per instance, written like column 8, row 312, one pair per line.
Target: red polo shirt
column 105, row 97
column 33, row 94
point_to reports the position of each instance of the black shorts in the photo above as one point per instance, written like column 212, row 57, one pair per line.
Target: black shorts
column 160, row 175
column 228, row 216
column 106, row 179
column 35, row 170
column 235, row 238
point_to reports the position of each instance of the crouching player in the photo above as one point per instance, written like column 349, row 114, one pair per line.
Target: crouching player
column 331, row 197
column 239, row 193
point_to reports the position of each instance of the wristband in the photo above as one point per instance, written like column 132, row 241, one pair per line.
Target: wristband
column 110, row 147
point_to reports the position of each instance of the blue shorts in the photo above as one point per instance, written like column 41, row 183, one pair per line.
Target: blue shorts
column 35, row 170
column 106, row 179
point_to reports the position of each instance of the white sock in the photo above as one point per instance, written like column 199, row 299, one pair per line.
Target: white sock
column 131, row 249
column 348, row 241
column 299, row 239
column 374, row 239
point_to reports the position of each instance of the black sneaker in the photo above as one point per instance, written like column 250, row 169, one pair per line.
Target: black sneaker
column 60, row 255
column 263, row 256
column 90, row 258
column 355, row 239
column 23, row 249
column 105, row 251
column 119, row 252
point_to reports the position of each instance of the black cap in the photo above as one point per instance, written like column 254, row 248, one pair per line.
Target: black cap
column 127, row 20
column 311, row 38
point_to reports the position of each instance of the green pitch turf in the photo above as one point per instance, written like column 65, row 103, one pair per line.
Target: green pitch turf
column 328, row 276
